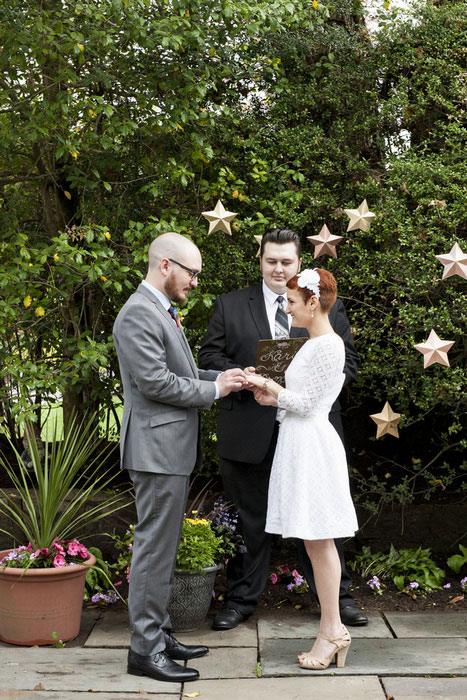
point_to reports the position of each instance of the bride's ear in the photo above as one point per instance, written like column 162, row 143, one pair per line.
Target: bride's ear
column 313, row 303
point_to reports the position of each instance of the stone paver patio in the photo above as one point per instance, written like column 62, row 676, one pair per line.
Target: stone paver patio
column 404, row 656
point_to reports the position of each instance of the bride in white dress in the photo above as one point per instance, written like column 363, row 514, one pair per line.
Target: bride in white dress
column 309, row 495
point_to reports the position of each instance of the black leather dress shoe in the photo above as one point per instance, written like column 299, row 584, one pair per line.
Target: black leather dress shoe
column 160, row 667
column 182, row 652
column 352, row 615
column 228, row 618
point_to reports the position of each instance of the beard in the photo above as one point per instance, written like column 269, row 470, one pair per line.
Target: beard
column 173, row 290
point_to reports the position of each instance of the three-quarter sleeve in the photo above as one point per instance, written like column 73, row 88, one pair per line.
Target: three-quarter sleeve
column 326, row 360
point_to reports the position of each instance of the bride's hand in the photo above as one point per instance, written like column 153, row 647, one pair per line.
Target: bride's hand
column 256, row 380
column 249, row 371
column 264, row 398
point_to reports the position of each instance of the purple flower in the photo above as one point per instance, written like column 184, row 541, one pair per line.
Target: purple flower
column 375, row 585
column 413, row 584
column 464, row 584
column 290, row 586
column 374, row 582
column 447, row 585
column 105, row 598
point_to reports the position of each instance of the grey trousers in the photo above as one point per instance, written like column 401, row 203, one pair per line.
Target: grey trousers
column 160, row 505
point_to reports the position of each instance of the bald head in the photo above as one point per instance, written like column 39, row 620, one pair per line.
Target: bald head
column 171, row 258
column 170, row 245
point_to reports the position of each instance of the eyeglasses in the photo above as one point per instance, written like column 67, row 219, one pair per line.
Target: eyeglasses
column 194, row 274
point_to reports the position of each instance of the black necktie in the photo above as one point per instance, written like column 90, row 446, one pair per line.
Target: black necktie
column 281, row 324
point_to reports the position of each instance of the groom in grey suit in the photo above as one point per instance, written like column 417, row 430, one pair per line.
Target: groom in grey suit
column 160, row 444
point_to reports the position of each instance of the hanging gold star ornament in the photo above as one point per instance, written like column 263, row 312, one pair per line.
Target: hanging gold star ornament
column 360, row 218
column 386, row 421
column 455, row 263
column 258, row 239
column 325, row 243
column 435, row 350
column 219, row 218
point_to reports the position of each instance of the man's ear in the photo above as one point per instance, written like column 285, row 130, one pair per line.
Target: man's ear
column 164, row 266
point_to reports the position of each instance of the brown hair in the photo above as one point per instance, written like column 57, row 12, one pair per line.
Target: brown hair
column 281, row 236
column 327, row 289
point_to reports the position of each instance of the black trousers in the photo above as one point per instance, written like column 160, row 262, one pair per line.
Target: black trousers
column 246, row 486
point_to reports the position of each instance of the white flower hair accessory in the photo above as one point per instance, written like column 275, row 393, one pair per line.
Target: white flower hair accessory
column 310, row 279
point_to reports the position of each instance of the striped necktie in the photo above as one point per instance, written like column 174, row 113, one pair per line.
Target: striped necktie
column 281, row 324
column 173, row 312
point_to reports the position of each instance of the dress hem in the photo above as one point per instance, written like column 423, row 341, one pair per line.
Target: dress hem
column 307, row 537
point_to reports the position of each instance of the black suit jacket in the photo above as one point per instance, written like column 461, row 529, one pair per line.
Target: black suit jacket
column 239, row 320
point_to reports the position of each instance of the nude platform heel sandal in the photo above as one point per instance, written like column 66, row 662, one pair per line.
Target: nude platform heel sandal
column 313, row 663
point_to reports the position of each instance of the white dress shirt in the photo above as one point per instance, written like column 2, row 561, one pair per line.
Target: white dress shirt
column 271, row 303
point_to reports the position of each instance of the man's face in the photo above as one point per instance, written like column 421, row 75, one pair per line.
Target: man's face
column 278, row 264
column 180, row 282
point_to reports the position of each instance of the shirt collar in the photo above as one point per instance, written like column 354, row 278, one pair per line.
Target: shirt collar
column 165, row 301
column 270, row 297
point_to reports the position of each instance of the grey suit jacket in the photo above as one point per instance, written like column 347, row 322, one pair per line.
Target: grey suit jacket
column 163, row 389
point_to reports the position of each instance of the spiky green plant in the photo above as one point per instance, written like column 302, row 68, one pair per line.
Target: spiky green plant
column 56, row 496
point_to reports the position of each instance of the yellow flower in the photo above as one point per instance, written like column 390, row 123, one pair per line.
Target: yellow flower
column 91, row 113
column 74, row 154
column 235, row 194
column 27, row 301
column 39, row 311
column 67, row 194
column 187, row 13
column 80, row 46
column 107, row 235
column 241, row 197
column 56, row 258
column 315, row 4
column 104, row 279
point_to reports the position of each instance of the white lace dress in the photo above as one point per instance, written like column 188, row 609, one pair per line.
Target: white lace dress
column 309, row 495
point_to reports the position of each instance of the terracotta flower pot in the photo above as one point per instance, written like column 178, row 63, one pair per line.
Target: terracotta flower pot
column 38, row 603
column 190, row 598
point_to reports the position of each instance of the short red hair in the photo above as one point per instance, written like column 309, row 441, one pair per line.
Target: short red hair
column 327, row 289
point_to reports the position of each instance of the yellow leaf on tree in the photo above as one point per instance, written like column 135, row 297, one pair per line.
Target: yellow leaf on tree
column 80, row 46
column 27, row 301
column 235, row 194
column 74, row 154
column 39, row 311
column 180, row 127
column 104, row 279
column 187, row 13
column 107, row 235
column 241, row 197
column 67, row 194
column 56, row 258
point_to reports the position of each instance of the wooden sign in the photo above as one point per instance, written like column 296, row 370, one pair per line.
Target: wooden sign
column 274, row 356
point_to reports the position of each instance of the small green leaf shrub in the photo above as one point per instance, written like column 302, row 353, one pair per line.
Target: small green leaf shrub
column 457, row 561
column 403, row 566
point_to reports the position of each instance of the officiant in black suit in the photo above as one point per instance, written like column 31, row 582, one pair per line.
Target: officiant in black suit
column 247, row 432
